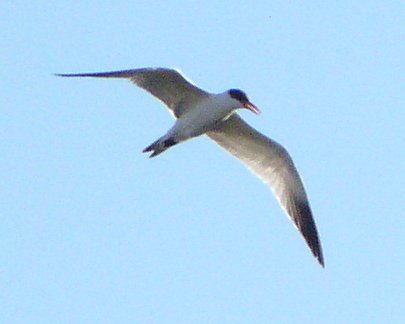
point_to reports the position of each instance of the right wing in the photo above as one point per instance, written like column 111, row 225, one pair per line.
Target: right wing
column 167, row 85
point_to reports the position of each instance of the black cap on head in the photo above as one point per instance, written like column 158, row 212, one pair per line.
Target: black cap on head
column 238, row 95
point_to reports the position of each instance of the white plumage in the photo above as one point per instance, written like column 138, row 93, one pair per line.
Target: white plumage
column 198, row 112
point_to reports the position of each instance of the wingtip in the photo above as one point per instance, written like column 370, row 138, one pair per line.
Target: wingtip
column 63, row 75
column 304, row 222
column 321, row 261
column 317, row 253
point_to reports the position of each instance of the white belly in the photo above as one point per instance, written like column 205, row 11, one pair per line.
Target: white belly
column 198, row 121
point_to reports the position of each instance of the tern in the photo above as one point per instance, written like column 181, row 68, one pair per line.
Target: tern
column 198, row 112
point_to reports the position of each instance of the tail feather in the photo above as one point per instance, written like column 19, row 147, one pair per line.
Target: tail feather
column 159, row 146
column 150, row 147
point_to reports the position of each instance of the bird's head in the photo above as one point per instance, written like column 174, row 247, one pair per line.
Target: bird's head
column 241, row 100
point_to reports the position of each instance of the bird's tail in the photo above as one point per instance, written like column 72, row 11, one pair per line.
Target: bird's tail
column 159, row 146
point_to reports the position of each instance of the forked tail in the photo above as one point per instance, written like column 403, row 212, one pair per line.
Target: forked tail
column 159, row 146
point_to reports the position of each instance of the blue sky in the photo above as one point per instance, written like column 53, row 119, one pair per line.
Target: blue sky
column 93, row 231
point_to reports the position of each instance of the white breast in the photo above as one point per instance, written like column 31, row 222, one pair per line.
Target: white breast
column 202, row 117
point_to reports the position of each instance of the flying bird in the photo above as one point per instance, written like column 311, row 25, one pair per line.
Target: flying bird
column 198, row 112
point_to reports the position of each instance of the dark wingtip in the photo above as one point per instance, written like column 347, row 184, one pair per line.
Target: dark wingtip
column 126, row 74
column 316, row 248
column 69, row 75
column 320, row 260
column 306, row 225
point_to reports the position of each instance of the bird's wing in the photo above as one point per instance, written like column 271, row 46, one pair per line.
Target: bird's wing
column 271, row 162
column 167, row 85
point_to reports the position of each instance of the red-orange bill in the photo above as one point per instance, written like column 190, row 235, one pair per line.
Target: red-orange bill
column 252, row 107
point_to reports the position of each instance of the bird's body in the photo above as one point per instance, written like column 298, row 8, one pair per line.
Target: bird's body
column 197, row 120
column 203, row 117
column 198, row 112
